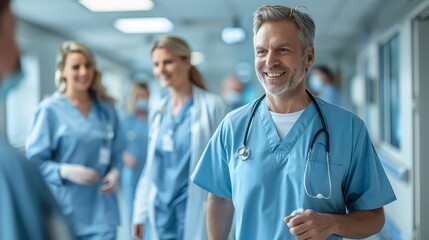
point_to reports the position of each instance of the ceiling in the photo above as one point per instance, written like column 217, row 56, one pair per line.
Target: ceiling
column 199, row 22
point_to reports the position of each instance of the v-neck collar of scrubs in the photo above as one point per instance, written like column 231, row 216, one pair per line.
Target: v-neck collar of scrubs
column 273, row 139
column 69, row 102
column 178, row 119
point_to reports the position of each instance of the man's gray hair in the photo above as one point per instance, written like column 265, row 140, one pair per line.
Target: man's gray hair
column 302, row 20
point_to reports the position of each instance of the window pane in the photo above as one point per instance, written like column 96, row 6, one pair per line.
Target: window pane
column 390, row 130
column 395, row 127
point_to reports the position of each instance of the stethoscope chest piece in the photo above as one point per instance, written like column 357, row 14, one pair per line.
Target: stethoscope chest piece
column 243, row 152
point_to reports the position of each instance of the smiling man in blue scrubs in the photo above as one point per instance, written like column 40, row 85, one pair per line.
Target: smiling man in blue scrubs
column 285, row 178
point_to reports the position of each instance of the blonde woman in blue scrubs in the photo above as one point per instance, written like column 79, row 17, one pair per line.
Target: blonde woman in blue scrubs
column 76, row 139
column 183, row 124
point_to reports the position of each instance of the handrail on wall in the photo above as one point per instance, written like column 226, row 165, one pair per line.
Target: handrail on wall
column 398, row 171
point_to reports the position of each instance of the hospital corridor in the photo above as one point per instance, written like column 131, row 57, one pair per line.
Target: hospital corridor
column 203, row 120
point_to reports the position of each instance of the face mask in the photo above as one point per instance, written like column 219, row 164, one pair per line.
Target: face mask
column 316, row 83
column 10, row 82
column 233, row 98
column 142, row 104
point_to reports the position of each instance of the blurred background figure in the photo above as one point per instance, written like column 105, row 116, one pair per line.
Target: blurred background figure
column 232, row 92
column 27, row 208
column 183, row 123
column 322, row 84
column 135, row 125
column 75, row 137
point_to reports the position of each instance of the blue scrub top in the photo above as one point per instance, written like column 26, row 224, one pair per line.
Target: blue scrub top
column 59, row 133
column 136, row 134
column 27, row 208
column 171, row 172
column 268, row 186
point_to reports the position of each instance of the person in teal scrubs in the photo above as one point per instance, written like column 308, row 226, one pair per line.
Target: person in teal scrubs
column 76, row 138
column 27, row 208
column 135, row 125
column 285, row 178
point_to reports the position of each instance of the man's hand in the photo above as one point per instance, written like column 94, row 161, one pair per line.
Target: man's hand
column 309, row 224
column 355, row 224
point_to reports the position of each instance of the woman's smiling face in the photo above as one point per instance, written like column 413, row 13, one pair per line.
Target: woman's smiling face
column 78, row 72
column 171, row 70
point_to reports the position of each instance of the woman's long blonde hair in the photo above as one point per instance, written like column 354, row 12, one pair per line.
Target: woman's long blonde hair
column 96, row 87
column 180, row 48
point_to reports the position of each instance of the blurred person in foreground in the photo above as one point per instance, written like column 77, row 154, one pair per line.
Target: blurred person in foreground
column 291, row 165
column 76, row 138
column 27, row 208
column 135, row 125
column 182, row 125
column 322, row 84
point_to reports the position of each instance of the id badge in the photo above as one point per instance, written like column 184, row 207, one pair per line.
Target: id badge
column 104, row 158
column 167, row 143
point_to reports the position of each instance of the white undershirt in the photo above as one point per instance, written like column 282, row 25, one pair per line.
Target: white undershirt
column 285, row 121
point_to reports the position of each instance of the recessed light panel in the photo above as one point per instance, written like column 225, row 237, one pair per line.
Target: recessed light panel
column 117, row 5
column 144, row 25
column 233, row 35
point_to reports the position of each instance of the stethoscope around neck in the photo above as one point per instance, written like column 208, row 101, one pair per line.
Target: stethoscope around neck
column 244, row 151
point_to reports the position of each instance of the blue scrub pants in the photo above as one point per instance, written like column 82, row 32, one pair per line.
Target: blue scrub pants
column 175, row 229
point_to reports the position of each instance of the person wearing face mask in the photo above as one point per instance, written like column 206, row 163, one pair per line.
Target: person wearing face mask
column 232, row 92
column 27, row 208
column 135, row 125
column 322, row 84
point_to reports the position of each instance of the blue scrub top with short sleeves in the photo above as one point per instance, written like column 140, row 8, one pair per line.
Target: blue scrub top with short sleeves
column 59, row 133
column 269, row 185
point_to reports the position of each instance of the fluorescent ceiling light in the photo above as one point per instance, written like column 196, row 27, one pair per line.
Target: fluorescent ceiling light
column 144, row 25
column 233, row 35
column 117, row 5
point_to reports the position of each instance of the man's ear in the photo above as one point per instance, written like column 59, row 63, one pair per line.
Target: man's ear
column 310, row 57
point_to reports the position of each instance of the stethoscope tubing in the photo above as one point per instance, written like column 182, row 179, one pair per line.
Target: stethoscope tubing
column 244, row 151
column 252, row 114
